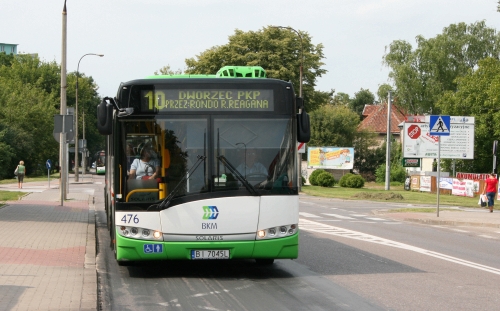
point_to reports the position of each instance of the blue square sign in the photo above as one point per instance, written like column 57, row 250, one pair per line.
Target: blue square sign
column 439, row 125
column 153, row 248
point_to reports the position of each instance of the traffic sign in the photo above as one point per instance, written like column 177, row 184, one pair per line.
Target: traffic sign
column 68, row 126
column 301, row 147
column 48, row 164
column 439, row 125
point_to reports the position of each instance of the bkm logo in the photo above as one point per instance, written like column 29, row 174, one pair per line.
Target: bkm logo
column 210, row 212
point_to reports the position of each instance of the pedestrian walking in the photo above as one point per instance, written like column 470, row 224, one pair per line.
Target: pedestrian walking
column 491, row 190
column 21, row 171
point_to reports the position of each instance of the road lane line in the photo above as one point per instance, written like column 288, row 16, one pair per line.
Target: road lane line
column 313, row 226
column 337, row 216
column 309, row 215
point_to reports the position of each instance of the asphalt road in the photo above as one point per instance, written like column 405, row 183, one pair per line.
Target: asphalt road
column 350, row 259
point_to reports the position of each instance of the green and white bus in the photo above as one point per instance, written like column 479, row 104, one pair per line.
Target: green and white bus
column 202, row 197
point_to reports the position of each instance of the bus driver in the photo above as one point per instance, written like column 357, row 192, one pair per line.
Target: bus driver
column 148, row 166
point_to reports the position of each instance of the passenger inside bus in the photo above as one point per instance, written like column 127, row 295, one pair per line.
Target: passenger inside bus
column 148, row 166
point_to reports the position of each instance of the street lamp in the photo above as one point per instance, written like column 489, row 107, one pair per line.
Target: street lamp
column 76, row 119
column 301, row 55
column 299, row 159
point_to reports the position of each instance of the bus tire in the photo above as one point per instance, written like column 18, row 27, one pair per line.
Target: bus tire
column 264, row 261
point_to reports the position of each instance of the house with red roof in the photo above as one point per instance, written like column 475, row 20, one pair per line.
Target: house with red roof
column 375, row 120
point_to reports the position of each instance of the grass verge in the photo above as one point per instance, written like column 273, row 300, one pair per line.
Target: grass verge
column 377, row 192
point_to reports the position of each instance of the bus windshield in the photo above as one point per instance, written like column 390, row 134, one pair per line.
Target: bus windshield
column 167, row 153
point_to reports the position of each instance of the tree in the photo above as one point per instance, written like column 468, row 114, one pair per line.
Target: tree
column 88, row 99
column 478, row 95
column 341, row 99
column 29, row 99
column 366, row 157
column 26, row 124
column 167, row 71
column 361, row 98
column 423, row 75
column 383, row 92
column 278, row 51
column 333, row 126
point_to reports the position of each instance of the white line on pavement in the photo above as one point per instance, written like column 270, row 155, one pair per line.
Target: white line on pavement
column 313, row 226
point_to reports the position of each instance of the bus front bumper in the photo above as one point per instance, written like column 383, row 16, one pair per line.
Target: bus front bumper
column 137, row 250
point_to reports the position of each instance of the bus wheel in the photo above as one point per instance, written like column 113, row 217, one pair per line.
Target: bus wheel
column 264, row 262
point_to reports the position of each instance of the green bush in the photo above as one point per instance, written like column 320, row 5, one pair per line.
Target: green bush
column 314, row 175
column 343, row 180
column 352, row 181
column 325, row 179
column 355, row 181
column 398, row 173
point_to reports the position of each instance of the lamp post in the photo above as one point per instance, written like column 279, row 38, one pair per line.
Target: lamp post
column 301, row 55
column 299, row 160
column 77, row 171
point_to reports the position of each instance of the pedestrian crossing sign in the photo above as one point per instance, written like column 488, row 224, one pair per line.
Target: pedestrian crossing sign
column 439, row 125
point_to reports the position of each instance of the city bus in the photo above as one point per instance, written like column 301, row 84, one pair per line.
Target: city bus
column 100, row 162
column 205, row 200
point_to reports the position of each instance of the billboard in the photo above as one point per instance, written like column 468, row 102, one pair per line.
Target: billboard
column 419, row 143
column 341, row 158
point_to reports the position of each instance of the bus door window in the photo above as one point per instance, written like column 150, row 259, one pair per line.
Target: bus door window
column 184, row 139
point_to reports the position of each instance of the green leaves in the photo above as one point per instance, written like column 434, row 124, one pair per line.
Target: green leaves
column 423, row 75
column 280, row 52
column 29, row 99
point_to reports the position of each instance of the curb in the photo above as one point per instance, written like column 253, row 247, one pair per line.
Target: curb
column 451, row 223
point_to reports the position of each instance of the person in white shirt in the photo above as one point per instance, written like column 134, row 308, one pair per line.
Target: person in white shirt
column 251, row 166
column 148, row 166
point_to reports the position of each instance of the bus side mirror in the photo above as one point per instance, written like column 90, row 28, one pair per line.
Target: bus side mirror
column 104, row 117
column 303, row 127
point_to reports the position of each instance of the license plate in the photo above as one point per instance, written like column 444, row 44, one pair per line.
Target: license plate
column 209, row 254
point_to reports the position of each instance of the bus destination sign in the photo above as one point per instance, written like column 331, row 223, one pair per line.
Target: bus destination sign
column 168, row 100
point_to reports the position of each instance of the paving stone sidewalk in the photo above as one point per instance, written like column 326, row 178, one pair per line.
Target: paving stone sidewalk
column 47, row 250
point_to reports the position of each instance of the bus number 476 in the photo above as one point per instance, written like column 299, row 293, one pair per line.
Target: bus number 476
column 128, row 218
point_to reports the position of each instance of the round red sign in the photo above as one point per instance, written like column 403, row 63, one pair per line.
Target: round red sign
column 414, row 131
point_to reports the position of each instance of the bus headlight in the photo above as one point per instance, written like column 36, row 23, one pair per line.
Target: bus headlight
column 139, row 233
column 277, row 232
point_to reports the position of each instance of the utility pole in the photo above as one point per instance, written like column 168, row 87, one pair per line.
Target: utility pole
column 62, row 143
column 388, row 146
column 299, row 157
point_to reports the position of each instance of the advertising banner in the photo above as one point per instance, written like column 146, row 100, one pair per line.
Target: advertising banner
column 419, row 143
column 425, row 183
column 330, row 157
column 446, row 183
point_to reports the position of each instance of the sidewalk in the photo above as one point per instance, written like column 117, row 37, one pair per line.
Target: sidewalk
column 450, row 216
column 47, row 251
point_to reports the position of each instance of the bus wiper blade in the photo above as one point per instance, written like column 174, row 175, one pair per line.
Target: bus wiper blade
column 240, row 177
column 166, row 201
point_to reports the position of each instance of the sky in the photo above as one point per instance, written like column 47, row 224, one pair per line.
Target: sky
column 138, row 37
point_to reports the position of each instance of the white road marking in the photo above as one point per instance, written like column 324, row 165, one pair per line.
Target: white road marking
column 309, row 215
column 210, row 293
column 374, row 218
column 486, row 236
column 358, row 215
column 337, row 216
column 312, row 226
column 459, row 230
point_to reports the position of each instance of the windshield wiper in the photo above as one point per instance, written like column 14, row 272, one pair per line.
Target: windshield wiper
column 166, row 201
column 240, row 177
